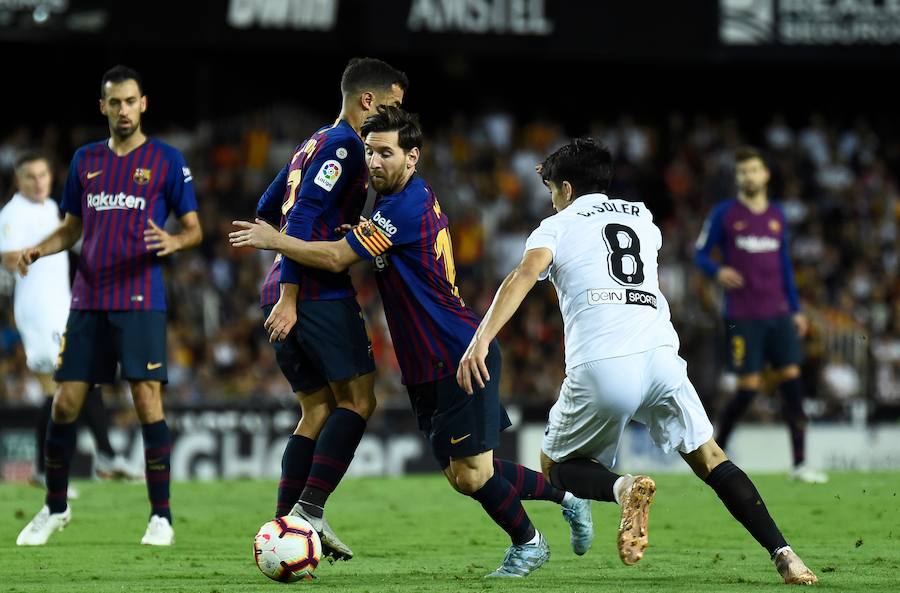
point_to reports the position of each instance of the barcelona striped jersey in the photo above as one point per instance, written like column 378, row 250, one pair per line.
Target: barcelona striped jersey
column 408, row 238
column 756, row 245
column 323, row 186
column 116, row 197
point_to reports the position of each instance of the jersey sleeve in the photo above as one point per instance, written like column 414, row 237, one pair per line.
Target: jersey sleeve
column 180, row 187
column 787, row 269
column 545, row 236
column 398, row 222
column 269, row 206
column 73, row 189
column 325, row 177
column 712, row 235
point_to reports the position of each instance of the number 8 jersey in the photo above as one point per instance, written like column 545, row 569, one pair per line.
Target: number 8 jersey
column 604, row 270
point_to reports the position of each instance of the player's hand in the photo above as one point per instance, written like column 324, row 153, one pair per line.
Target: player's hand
column 729, row 278
column 346, row 228
column 26, row 258
column 802, row 324
column 160, row 241
column 11, row 260
column 281, row 320
column 472, row 368
column 259, row 234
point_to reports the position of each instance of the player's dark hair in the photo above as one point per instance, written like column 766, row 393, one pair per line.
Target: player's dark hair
column 746, row 153
column 390, row 119
column 585, row 163
column 118, row 74
column 362, row 74
column 29, row 156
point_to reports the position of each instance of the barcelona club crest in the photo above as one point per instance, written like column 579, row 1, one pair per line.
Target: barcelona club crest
column 142, row 176
column 774, row 226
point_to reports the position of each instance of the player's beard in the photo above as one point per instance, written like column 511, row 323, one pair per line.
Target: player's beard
column 124, row 133
column 382, row 184
column 751, row 190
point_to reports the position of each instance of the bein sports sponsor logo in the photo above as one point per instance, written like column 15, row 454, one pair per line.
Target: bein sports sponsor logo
column 120, row 201
column 755, row 244
column 620, row 296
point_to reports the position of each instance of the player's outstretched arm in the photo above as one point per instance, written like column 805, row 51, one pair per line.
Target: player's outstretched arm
column 164, row 244
column 332, row 256
column 64, row 237
column 510, row 295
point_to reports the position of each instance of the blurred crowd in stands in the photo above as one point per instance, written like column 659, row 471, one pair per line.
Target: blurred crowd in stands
column 837, row 180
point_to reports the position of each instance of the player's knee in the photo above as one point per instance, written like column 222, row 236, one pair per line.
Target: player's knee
column 788, row 373
column 546, row 465
column 312, row 419
column 470, row 480
column 705, row 458
column 362, row 403
column 753, row 381
column 147, row 401
column 66, row 407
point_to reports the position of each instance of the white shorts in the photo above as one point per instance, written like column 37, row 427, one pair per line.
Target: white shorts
column 42, row 337
column 598, row 399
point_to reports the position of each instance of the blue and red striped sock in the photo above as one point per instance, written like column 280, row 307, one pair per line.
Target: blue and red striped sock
column 501, row 501
column 157, row 453
column 295, row 465
column 530, row 484
column 58, row 450
column 334, row 451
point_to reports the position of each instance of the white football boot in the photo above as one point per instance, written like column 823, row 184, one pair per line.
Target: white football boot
column 39, row 529
column 159, row 532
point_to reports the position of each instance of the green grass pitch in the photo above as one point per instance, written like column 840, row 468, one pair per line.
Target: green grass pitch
column 416, row 535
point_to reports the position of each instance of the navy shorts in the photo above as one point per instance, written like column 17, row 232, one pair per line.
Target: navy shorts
column 328, row 343
column 753, row 342
column 458, row 424
column 96, row 341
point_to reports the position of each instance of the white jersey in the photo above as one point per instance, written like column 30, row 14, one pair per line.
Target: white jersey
column 604, row 270
column 44, row 292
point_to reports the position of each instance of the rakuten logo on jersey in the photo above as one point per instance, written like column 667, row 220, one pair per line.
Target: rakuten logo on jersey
column 385, row 224
column 756, row 244
column 120, row 201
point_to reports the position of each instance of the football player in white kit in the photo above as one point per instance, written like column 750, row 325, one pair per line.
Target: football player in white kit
column 622, row 360
column 41, row 305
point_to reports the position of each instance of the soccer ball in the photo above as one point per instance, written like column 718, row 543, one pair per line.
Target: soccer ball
column 287, row 549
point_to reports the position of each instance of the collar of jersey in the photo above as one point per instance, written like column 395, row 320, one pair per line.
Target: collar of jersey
column 598, row 196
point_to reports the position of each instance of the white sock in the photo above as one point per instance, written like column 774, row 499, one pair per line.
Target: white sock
column 535, row 540
column 616, row 487
column 568, row 499
column 779, row 550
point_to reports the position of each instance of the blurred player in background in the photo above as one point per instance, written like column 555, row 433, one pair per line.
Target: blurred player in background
column 41, row 307
column 763, row 321
column 622, row 360
column 312, row 316
column 408, row 239
column 118, row 195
